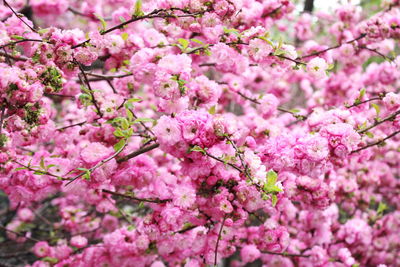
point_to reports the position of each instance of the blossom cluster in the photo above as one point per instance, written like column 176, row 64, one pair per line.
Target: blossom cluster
column 200, row 132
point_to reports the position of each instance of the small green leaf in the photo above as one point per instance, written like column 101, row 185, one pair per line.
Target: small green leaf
column 124, row 36
column 381, row 208
column 377, row 108
column 118, row 146
column 212, row 110
column 294, row 110
column 42, row 165
column 20, row 168
column 369, row 134
column 272, row 177
column 184, row 43
column 50, row 260
column 103, row 22
column 274, row 200
column 124, row 124
column 141, row 205
column 118, row 133
column 196, row 41
column 197, row 149
column 362, row 93
column 138, row 9
column 18, row 37
column 143, row 120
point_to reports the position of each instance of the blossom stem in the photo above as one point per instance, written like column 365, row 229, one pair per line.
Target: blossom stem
column 379, row 142
column 218, row 239
column 388, row 118
column 150, row 200
column 18, row 16
column 138, row 152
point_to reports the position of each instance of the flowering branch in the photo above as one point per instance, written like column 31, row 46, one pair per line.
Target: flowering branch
column 333, row 47
column 98, row 165
column 150, row 200
column 138, row 152
column 218, row 239
column 377, row 143
column 285, row 254
column 388, row 118
column 18, row 16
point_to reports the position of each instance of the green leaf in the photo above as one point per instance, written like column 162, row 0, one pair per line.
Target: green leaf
column 20, row 168
column 362, row 93
column 42, row 165
column 272, row 177
column 124, row 124
column 18, row 37
column 50, row 260
column 138, row 9
column 212, row 110
column 129, row 115
column 118, row 146
column 294, row 110
column 377, row 108
column 381, row 208
column 118, row 133
column 124, row 36
column 369, row 134
column 143, row 120
column 274, row 200
column 197, row 149
column 103, row 22
column 196, row 41
column 141, row 205
column 184, row 43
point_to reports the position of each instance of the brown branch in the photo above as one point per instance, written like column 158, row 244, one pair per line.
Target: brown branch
column 77, row 12
column 388, row 118
column 138, row 152
column 19, row 234
column 218, row 239
column 89, row 87
column 255, row 101
column 379, row 142
column 356, row 103
column 108, row 77
column 377, row 52
column 72, row 125
column 98, row 165
column 150, row 200
column 333, row 47
column 21, row 41
column 20, row 58
column 154, row 14
column 18, row 16
column 286, row 254
column 3, row 109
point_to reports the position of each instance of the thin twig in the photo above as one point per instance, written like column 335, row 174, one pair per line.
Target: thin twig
column 218, row 239
column 150, row 200
column 285, row 254
column 21, row 41
column 138, row 152
column 89, row 87
column 388, row 118
column 157, row 13
column 72, row 125
column 19, row 234
column 333, row 47
column 355, row 104
column 379, row 142
column 98, row 165
column 18, row 16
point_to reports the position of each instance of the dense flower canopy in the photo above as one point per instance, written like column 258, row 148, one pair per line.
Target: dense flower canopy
column 199, row 132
